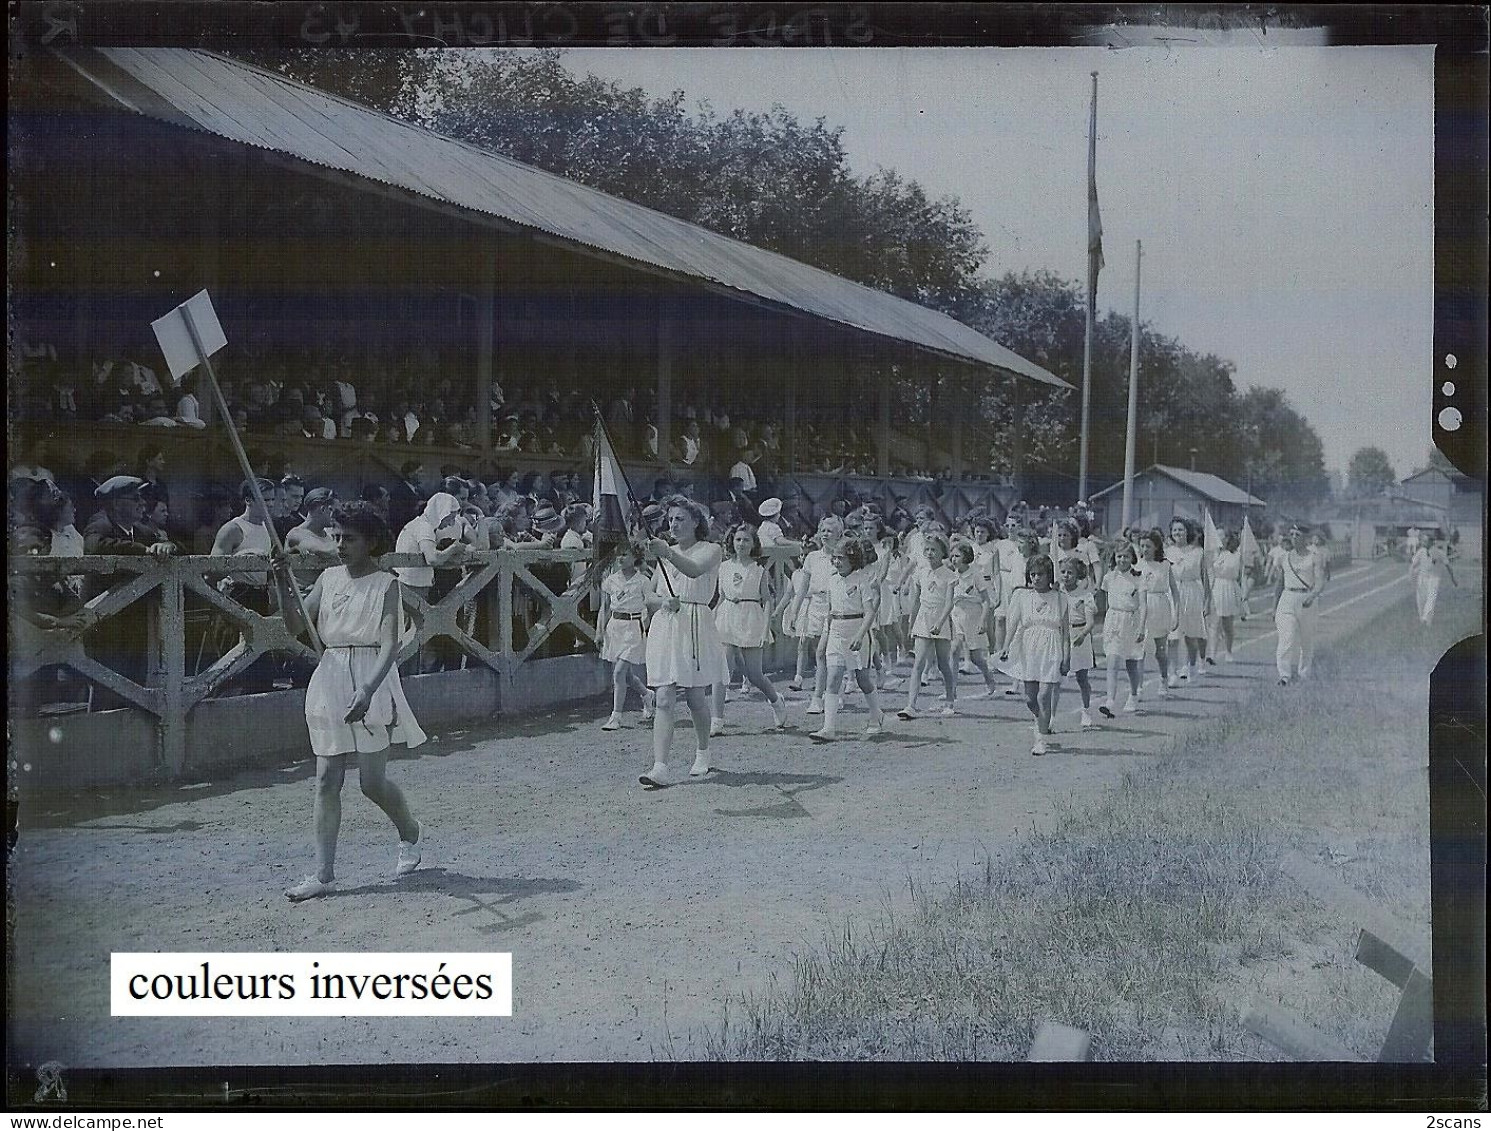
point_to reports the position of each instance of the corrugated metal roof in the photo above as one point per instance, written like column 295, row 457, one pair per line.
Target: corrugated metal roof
column 255, row 107
column 1209, row 486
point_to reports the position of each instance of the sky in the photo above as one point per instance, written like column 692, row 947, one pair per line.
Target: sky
column 1284, row 195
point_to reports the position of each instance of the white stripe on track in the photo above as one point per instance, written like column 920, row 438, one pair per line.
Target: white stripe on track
column 1333, row 608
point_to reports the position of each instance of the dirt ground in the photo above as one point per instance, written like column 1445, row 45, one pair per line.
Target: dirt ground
column 631, row 916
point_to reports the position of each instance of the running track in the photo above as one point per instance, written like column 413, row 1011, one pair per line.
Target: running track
column 631, row 916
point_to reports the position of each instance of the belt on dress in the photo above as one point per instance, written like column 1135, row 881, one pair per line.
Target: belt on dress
column 846, row 616
column 742, row 600
column 353, row 645
column 626, row 616
column 1292, row 589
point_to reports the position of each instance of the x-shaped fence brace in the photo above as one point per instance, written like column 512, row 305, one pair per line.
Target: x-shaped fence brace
column 170, row 694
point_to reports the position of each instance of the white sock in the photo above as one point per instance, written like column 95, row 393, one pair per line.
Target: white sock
column 831, row 703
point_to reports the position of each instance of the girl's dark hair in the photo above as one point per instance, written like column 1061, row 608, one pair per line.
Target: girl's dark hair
column 1079, row 567
column 362, row 518
column 1188, row 524
column 755, row 539
column 1084, row 528
column 1231, row 540
column 985, row 524
column 701, row 516
column 1156, row 539
column 1041, row 563
column 964, row 551
column 1126, row 548
column 859, row 552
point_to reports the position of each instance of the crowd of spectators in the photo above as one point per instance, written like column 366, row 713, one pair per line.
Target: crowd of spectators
column 719, row 431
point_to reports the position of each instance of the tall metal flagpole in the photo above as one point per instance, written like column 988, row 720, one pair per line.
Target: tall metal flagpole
column 1092, row 290
column 1130, row 437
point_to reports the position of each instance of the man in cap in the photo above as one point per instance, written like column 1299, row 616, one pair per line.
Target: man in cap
column 120, row 528
column 770, row 532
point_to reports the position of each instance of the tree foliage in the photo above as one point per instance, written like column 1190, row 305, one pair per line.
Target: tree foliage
column 1369, row 472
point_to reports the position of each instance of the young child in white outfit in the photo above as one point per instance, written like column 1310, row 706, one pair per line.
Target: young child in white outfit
column 623, row 631
column 854, row 597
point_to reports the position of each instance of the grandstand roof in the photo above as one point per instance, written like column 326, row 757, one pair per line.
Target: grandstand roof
column 248, row 105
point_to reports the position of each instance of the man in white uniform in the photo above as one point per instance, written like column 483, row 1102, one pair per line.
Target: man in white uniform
column 1303, row 578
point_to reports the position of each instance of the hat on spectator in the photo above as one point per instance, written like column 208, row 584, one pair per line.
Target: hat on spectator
column 547, row 519
column 117, row 486
column 319, row 497
column 770, row 508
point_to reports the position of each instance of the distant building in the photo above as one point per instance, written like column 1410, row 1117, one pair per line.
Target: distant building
column 1375, row 524
column 1162, row 493
column 1457, row 495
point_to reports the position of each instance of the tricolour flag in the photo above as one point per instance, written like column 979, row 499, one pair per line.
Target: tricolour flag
column 616, row 515
column 1247, row 544
column 1094, row 216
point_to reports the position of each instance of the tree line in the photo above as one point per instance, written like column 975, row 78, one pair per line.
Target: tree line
column 775, row 181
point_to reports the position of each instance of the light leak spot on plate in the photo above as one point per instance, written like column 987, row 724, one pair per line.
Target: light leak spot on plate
column 1448, row 388
column 1449, row 419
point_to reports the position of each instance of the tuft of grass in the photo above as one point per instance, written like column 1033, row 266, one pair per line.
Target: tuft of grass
column 1145, row 915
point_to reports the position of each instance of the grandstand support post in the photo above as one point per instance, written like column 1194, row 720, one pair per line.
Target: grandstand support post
column 1017, row 411
column 169, row 640
column 882, row 424
column 665, row 348
column 960, row 410
column 486, row 313
column 794, row 353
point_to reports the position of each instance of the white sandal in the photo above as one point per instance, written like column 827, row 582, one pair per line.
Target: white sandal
column 309, row 888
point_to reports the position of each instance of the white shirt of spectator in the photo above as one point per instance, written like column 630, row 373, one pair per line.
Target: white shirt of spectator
column 690, row 450
column 188, row 411
column 743, row 472
column 770, row 534
column 411, row 425
column 347, row 394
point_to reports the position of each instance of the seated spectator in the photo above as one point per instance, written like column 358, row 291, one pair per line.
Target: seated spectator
column 188, row 406
column 407, row 498
column 157, row 507
column 35, row 453
column 363, row 429
column 155, row 414
column 376, row 496
column 150, row 465
column 744, row 471
column 216, row 508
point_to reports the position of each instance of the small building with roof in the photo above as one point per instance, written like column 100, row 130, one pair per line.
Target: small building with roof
column 1162, row 493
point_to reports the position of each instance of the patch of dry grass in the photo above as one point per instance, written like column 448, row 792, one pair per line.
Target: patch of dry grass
column 1150, row 916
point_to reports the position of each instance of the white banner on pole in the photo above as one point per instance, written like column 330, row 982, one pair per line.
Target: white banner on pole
column 176, row 339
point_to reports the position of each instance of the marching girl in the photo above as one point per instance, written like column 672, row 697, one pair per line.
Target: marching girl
column 1192, row 577
column 1009, row 557
column 1226, row 593
column 887, row 632
column 1038, row 648
column 912, row 563
column 742, row 621
column 973, row 597
column 683, row 648
column 1082, row 606
column 1427, row 569
column 853, row 594
column 355, row 703
column 623, row 631
column 785, row 612
column 1162, row 602
column 1125, row 632
column 1301, row 580
column 931, row 625
column 812, row 608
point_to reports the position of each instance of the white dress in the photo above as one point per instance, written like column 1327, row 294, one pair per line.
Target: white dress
column 934, row 599
column 1155, row 584
column 625, row 640
column 1186, row 561
column 347, row 622
column 850, row 601
column 1038, row 628
column 819, row 568
column 1121, row 622
column 1011, row 562
column 741, row 617
column 1226, row 584
column 889, row 611
column 970, row 603
column 683, row 647
column 1082, row 607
